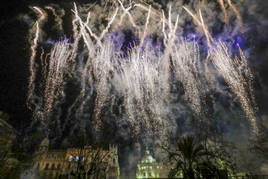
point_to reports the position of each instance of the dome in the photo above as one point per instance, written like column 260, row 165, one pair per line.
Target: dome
column 148, row 158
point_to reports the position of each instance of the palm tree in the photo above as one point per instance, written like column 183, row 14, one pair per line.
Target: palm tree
column 187, row 155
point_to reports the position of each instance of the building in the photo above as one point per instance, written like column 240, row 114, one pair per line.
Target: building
column 89, row 162
column 149, row 168
column 9, row 165
column 7, row 138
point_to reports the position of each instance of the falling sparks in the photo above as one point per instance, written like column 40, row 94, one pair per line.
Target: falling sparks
column 186, row 62
column 33, row 50
column 232, row 71
column 143, row 77
column 57, row 64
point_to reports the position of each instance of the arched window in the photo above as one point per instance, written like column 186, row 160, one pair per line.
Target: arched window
column 53, row 166
column 46, row 167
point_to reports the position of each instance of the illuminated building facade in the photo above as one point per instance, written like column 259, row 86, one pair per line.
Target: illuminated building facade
column 61, row 163
column 149, row 168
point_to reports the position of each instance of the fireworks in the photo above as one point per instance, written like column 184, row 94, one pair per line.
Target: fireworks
column 233, row 72
column 57, row 64
column 143, row 77
column 33, row 50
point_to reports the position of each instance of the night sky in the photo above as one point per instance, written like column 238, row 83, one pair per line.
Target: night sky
column 15, row 54
column 14, row 70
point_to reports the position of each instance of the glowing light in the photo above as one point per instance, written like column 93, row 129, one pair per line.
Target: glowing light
column 141, row 77
column 232, row 71
column 33, row 50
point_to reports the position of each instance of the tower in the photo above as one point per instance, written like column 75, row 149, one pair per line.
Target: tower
column 44, row 145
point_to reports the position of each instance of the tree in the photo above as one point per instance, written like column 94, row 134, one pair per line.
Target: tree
column 195, row 159
column 90, row 161
column 186, row 154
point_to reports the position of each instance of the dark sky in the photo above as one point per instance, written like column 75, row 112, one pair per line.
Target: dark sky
column 14, row 63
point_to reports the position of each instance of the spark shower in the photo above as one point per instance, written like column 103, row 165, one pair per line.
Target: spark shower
column 141, row 75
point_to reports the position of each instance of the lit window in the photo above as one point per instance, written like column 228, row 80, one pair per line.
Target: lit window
column 77, row 158
column 70, row 158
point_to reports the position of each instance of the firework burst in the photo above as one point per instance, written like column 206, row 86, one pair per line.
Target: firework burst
column 142, row 76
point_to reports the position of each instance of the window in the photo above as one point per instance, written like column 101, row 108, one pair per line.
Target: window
column 46, row 167
column 77, row 158
column 53, row 166
column 70, row 158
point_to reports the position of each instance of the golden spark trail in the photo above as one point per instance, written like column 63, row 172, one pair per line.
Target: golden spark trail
column 89, row 46
column 237, row 14
column 232, row 72
column 145, row 28
column 57, row 64
column 208, row 36
column 201, row 24
column 226, row 18
column 33, row 50
column 58, row 19
column 42, row 57
column 126, row 11
column 108, row 25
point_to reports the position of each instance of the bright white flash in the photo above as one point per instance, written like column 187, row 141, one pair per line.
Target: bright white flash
column 143, row 78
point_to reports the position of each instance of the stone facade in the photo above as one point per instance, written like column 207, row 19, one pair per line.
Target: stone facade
column 149, row 168
column 64, row 163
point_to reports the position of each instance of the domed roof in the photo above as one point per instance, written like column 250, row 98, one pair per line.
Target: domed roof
column 148, row 158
